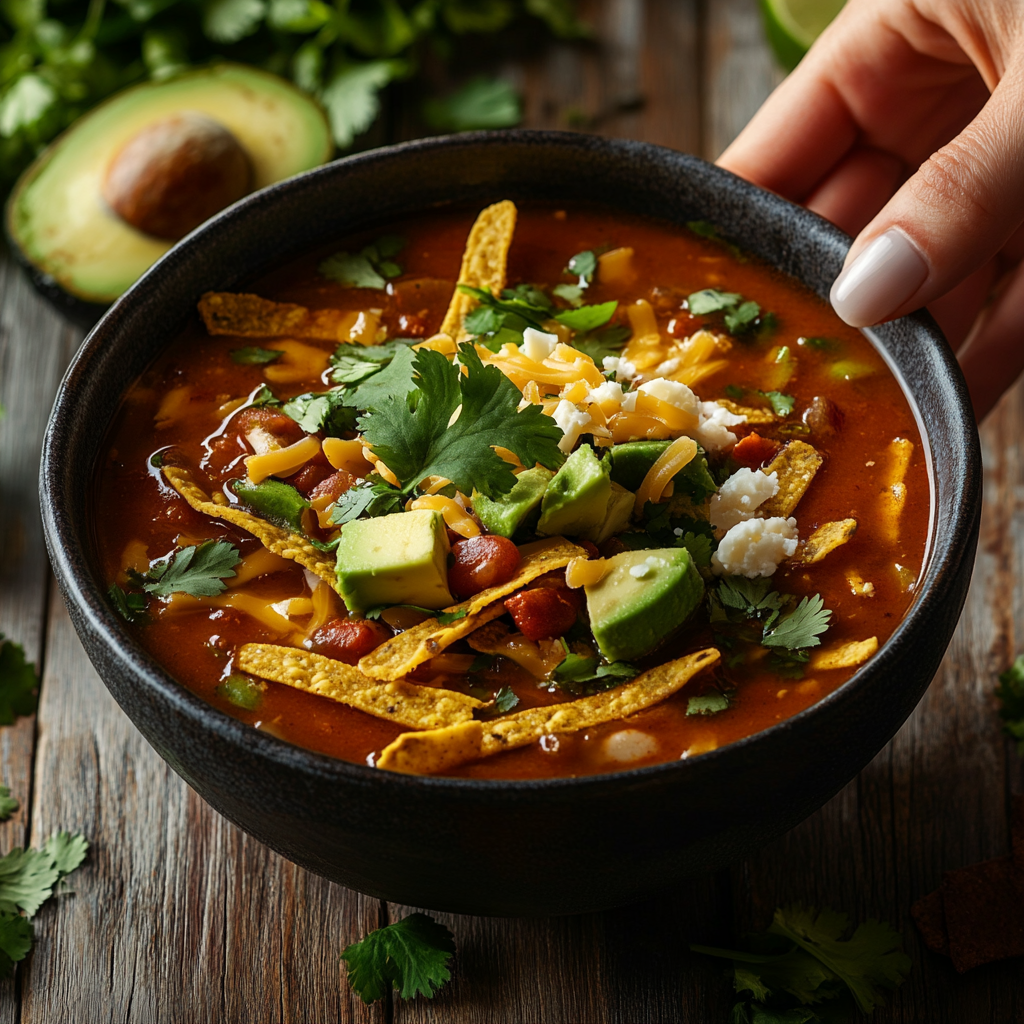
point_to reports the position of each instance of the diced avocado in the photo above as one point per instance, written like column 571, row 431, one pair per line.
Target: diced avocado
column 508, row 513
column 396, row 559
column 617, row 515
column 630, row 463
column 644, row 598
column 576, row 500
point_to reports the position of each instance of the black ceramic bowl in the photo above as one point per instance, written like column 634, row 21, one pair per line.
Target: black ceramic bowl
column 504, row 847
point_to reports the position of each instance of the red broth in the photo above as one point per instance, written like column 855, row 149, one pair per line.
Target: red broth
column 138, row 518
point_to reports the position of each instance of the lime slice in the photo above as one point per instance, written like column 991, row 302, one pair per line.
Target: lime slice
column 792, row 25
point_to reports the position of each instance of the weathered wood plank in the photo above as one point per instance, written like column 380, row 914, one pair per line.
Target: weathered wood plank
column 177, row 916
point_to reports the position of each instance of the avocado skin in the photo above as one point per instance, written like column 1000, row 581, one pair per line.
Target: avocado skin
column 505, row 515
column 576, row 500
column 631, row 616
column 80, row 312
column 630, row 462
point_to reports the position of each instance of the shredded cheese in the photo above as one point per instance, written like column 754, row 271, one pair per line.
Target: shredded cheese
column 347, row 455
column 586, row 572
column 677, row 455
column 299, row 363
column 455, row 516
column 282, row 462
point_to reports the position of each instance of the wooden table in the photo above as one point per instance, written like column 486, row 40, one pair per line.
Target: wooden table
column 179, row 917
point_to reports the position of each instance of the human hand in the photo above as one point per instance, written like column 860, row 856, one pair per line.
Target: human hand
column 904, row 125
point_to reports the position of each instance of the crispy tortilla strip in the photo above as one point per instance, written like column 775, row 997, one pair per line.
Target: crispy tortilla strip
column 250, row 316
column 796, row 465
column 483, row 263
column 756, row 416
column 826, row 538
column 416, row 707
column 894, row 493
column 397, row 657
column 425, row 753
column 273, row 538
column 846, row 656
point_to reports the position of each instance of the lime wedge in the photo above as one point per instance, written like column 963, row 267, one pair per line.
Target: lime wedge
column 792, row 25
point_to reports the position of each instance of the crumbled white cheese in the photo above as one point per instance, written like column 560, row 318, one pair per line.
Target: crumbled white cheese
column 629, row 745
column 629, row 401
column 739, row 497
column 639, row 571
column 667, row 368
column 713, row 433
column 622, row 368
column 755, row 547
column 572, row 422
column 674, row 393
column 609, row 391
column 537, row 345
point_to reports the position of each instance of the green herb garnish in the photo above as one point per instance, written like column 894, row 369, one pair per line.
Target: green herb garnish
column 253, row 355
column 1010, row 693
column 368, row 268
column 370, row 498
column 197, row 570
column 326, row 412
column 18, row 682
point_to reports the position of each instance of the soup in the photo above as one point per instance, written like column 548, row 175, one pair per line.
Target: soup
column 581, row 493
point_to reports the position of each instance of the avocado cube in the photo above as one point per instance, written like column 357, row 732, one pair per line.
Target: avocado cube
column 576, row 500
column 616, row 517
column 630, row 462
column 643, row 599
column 396, row 559
column 508, row 513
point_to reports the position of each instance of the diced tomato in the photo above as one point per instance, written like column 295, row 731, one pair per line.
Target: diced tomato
column 333, row 486
column 545, row 612
column 348, row 640
column 754, row 451
column 482, row 562
column 284, row 428
column 312, row 474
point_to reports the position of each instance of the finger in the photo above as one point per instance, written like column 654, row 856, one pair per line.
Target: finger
column 993, row 357
column 957, row 310
column 946, row 221
column 858, row 188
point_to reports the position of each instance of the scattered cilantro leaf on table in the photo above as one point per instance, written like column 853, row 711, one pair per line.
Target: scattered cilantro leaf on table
column 18, row 682
column 327, row 412
column 1010, row 693
column 411, row 956
column 198, row 570
column 8, row 805
column 16, row 936
column 448, row 425
column 253, row 355
column 804, row 960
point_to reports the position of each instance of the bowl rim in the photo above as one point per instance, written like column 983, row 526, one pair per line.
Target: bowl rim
column 86, row 594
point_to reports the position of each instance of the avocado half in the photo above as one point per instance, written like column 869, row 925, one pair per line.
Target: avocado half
column 80, row 254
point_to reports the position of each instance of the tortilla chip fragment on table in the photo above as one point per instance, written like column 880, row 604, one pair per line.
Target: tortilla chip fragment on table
column 846, row 655
column 984, row 911
column 425, row 753
column 398, row 656
column 483, row 263
column 273, row 538
column 796, row 465
column 251, row 316
column 401, row 702
column 826, row 538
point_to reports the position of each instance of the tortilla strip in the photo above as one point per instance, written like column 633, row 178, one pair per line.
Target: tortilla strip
column 416, row 707
column 437, row 750
column 826, row 538
column 796, row 465
column 756, row 416
column 250, row 316
column 273, row 538
column 894, row 494
column 397, row 657
column 845, row 656
column 483, row 263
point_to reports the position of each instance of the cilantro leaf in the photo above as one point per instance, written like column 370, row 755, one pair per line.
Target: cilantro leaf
column 578, row 675
column 8, row 805
column 605, row 341
column 131, row 607
column 698, row 545
column 394, row 383
column 371, row 498
column 274, row 500
column 742, row 316
column 27, row 878
column 801, row 627
column 782, row 405
column 710, row 300
column 425, row 437
column 571, row 293
column 352, row 363
column 1010, row 693
column 327, row 412
column 484, row 320
column 710, row 703
column 352, row 97
column 752, row 598
column 505, row 700
column 529, row 294
column 587, row 318
column 367, row 268
column 196, row 570
column 18, row 682
column 16, row 936
column 263, row 396
column 68, row 850
column 480, row 103
column 410, row 955
column 447, row 618
column 253, row 355
column 584, row 266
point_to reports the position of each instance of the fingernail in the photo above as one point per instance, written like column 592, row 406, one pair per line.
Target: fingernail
column 879, row 280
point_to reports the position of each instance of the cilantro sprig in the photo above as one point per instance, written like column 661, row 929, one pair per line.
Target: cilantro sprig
column 411, row 956
column 322, row 412
column 254, row 355
column 740, row 315
column 18, row 682
column 448, row 425
column 368, row 268
column 198, row 570
column 803, row 959
column 1010, row 693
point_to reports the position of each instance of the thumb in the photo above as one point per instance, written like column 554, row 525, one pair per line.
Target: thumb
column 946, row 221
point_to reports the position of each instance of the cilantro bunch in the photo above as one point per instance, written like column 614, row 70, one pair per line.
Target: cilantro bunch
column 61, row 59
column 803, row 960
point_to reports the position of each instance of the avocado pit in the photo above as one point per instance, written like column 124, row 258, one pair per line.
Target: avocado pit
column 176, row 173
